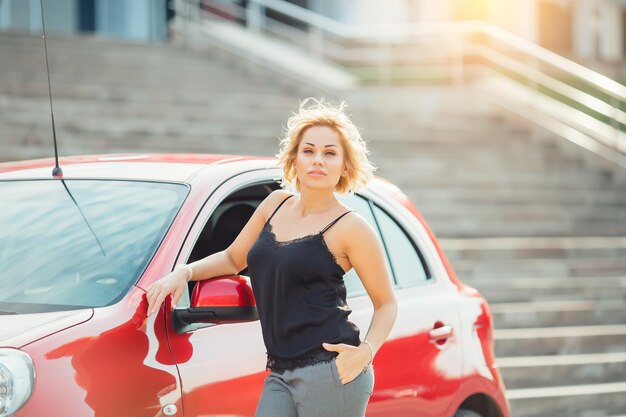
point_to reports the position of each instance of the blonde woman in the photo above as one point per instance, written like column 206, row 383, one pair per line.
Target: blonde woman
column 297, row 246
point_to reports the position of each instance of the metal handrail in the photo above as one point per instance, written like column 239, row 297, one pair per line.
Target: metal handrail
column 306, row 16
column 553, row 84
column 602, row 82
column 325, row 34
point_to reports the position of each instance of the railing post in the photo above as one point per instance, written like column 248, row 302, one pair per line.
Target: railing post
column 384, row 62
column 615, row 123
column 187, row 17
column 316, row 41
column 34, row 21
column 182, row 17
column 457, row 59
column 535, row 133
column 255, row 16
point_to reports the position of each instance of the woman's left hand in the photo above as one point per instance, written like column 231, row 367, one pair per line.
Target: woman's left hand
column 351, row 359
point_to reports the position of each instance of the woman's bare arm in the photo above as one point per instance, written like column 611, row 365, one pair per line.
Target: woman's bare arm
column 365, row 252
column 227, row 262
column 233, row 259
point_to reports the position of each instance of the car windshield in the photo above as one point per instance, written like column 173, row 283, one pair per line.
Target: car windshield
column 79, row 243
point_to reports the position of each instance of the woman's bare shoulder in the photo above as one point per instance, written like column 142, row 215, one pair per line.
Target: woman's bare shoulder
column 280, row 194
column 357, row 228
column 276, row 197
column 355, row 219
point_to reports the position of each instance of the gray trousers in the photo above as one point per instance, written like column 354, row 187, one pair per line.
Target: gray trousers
column 315, row 391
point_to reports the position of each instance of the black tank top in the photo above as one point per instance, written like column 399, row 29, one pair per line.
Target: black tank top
column 301, row 298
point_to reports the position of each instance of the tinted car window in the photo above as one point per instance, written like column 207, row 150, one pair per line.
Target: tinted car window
column 354, row 286
column 406, row 261
column 78, row 242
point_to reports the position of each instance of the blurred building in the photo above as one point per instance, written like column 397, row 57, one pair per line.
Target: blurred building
column 579, row 29
column 138, row 20
column 592, row 31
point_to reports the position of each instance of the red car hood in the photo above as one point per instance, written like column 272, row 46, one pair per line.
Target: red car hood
column 17, row 330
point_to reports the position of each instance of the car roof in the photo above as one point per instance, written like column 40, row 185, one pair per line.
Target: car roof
column 179, row 167
column 170, row 167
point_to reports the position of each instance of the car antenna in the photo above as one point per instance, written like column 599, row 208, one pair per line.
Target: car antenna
column 57, row 171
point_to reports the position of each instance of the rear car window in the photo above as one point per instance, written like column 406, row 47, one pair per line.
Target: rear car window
column 354, row 285
column 407, row 262
column 79, row 243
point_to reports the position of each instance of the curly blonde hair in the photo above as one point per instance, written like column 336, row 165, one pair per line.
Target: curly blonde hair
column 315, row 112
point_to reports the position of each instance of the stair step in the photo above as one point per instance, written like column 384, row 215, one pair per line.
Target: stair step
column 560, row 340
column 556, row 306
column 546, row 371
column 592, row 400
column 550, row 293
column 547, row 282
column 553, row 313
column 582, row 266
column 273, row 112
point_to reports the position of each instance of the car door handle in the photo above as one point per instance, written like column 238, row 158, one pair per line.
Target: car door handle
column 440, row 333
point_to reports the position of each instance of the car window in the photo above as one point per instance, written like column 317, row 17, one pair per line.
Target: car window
column 407, row 263
column 235, row 210
column 353, row 283
column 79, row 243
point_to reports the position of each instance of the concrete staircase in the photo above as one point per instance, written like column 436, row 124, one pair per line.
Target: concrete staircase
column 559, row 309
column 474, row 170
column 111, row 96
column 478, row 174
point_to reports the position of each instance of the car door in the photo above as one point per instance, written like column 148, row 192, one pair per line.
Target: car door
column 417, row 369
column 222, row 367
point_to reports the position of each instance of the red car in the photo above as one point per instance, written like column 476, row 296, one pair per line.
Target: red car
column 78, row 251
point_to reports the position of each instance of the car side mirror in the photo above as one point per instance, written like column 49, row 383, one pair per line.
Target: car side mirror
column 221, row 300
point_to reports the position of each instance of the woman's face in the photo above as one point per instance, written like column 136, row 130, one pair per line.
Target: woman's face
column 319, row 162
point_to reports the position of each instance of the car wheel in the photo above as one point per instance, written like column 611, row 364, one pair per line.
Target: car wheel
column 466, row 413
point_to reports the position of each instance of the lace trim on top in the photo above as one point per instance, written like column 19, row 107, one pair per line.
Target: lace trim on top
column 281, row 364
column 277, row 242
column 281, row 243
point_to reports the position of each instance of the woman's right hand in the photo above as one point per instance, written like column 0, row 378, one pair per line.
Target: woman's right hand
column 173, row 283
